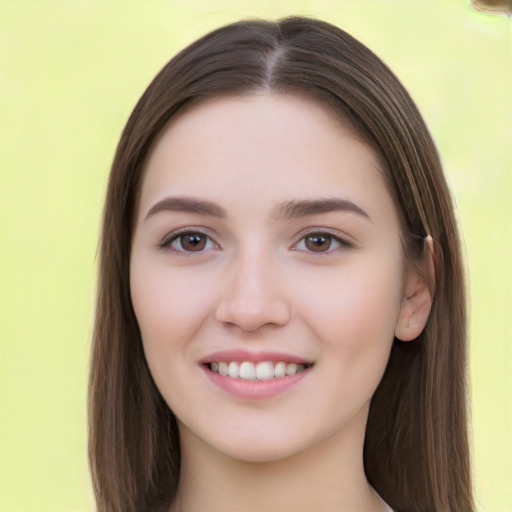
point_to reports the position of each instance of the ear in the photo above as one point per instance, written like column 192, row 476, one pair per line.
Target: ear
column 417, row 296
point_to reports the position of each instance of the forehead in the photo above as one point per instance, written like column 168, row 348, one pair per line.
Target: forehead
column 267, row 146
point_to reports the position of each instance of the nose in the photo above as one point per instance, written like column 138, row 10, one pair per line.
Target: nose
column 252, row 296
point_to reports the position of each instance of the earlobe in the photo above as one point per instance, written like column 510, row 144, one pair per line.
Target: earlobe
column 418, row 295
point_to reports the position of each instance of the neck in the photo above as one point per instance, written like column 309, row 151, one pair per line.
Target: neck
column 327, row 476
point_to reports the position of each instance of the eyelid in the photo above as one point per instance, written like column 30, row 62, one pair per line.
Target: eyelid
column 169, row 238
column 343, row 241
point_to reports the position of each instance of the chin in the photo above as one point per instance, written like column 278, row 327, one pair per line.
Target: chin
column 261, row 453
column 264, row 444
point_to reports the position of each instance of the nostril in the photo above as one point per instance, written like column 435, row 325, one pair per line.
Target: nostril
column 252, row 314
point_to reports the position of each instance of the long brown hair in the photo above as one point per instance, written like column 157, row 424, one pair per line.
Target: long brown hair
column 416, row 451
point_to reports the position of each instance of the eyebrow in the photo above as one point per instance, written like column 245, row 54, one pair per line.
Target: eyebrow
column 187, row 204
column 302, row 208
column 287, row 210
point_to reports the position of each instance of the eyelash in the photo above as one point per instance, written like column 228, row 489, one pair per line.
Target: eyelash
column 341, row 242
column 168, row 241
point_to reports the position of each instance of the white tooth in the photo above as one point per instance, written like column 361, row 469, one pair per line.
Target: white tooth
column 223, row 368
column 233, row 369
column 280, row 369
column 265, row 370
column 247, row 371
column 214, row 367
column 300, row 367
column 291, row 369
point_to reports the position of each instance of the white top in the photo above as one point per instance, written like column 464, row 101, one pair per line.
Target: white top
column 388, row 508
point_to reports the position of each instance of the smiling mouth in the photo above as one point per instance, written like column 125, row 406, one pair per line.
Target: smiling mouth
column 264, row 370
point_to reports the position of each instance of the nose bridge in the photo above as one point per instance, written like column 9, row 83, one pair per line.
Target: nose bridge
column 253, row 269
column 252, row 296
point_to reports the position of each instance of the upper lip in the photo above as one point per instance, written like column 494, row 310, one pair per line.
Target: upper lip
column 254, row 357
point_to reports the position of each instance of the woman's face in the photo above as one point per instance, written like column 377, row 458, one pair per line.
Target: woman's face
column 266, row 246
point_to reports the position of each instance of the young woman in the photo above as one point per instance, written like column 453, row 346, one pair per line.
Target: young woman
column 281, row 313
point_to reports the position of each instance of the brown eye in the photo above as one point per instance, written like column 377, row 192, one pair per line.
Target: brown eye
column 318, row 242
column 193, row 241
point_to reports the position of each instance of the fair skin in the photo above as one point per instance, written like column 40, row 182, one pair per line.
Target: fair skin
column 269, row 237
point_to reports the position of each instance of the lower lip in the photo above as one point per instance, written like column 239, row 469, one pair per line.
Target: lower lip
column 255, row 389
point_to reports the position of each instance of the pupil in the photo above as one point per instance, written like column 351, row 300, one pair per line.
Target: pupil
column 318, row 243
column 193, row 242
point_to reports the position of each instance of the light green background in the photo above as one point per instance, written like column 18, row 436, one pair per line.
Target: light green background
column 70, row 73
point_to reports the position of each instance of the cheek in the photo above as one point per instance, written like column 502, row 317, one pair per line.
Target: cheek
column 354, row 313
column 168, row 305
column 356, row 300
